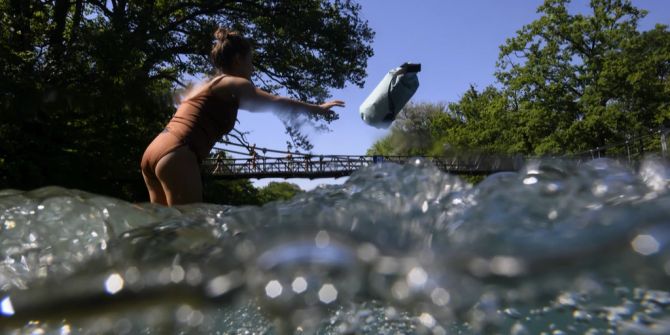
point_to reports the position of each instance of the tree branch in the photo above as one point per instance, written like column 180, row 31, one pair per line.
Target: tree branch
column 102, row 6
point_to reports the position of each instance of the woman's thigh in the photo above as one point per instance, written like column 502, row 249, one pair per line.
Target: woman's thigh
column 156, row 193
column 179, row 173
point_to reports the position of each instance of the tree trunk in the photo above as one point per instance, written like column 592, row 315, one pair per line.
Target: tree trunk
column 76, row 21
column 56, row 38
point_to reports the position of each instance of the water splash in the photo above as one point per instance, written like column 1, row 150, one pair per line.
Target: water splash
column 558, row 247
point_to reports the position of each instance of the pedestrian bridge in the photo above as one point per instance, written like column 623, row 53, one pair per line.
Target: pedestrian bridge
column 286, row 164
column 308, row 166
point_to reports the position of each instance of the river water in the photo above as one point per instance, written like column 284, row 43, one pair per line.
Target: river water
column 560, row 247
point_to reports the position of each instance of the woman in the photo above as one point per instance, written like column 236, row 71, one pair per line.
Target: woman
column 171, row 163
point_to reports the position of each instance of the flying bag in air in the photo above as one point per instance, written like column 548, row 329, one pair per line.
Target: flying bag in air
column 381, row 107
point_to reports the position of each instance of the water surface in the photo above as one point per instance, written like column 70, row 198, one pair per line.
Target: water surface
column 560, row 247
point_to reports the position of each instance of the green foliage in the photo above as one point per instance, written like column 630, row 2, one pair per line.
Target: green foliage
column 278, row 191
column 576, row 81
column 242, row 192
column 567, row 83
column 231, row 192
column 86, row 85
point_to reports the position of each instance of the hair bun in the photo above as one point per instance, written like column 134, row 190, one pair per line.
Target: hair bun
column 221, row 34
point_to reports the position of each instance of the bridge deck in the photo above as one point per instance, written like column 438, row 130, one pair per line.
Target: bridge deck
column 304, row 165
column 340, row 166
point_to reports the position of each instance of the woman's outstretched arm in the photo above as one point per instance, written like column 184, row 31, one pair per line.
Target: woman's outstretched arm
column 256, row 100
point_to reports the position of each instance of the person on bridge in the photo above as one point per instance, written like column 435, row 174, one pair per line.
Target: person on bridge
column 171, row 163
column 253, row 157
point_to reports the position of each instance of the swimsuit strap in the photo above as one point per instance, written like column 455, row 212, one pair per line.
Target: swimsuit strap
column 214, row 81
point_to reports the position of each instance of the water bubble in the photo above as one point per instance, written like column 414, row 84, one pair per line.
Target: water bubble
column 519, row 329
column 223, row 284
column 530, row 180
column 417, row 277
column 132, row 275
column 177, row 274
column 328, row 293
column 299, row 285
column 6, row 307
column 427, row 320
column 114, row 283
column 322, row 239
column 553, row 214
column 400, row 290
column 273, row 289
column 645, row 245
column 440, row 296
column 424, row 207
column 193, row 275
column 507, row 266
column 367, row 252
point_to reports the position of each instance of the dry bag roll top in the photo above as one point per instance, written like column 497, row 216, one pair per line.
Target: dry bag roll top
column 381, row 107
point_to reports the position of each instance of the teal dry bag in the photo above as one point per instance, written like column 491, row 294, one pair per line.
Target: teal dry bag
column 381, row 107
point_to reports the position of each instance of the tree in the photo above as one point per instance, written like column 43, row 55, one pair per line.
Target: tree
column 410, row 133
column 278, row 191
column 87, row 84
column 574, row 79
column 567, row 83
column 231, row 192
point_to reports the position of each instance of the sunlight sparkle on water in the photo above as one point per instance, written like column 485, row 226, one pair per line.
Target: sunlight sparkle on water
column 6, row 307
column 417, row 277
column 427, row 320
column 645, row 245
column 273, row 289
column 328, row 293
column 221, row 284
column 299, row 285
column 530, row 181
column 322, row 239
column 440, row 296
column 506, row 266
column 9, row 224
column 65, row 330
column 114, row 283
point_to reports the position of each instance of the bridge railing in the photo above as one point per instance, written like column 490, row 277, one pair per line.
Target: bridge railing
column 317, row 166
column 339, row 165
column 295, row 165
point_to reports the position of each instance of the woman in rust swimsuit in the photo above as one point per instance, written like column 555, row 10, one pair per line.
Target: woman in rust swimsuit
column 171, row 163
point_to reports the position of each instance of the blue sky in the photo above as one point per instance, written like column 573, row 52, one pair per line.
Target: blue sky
column 457, row 43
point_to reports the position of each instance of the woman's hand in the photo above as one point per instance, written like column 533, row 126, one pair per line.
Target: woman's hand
column 331, row 104
column 324, row 109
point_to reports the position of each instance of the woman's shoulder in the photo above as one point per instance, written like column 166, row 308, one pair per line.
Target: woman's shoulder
column 231, row 81
column 231, row 85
